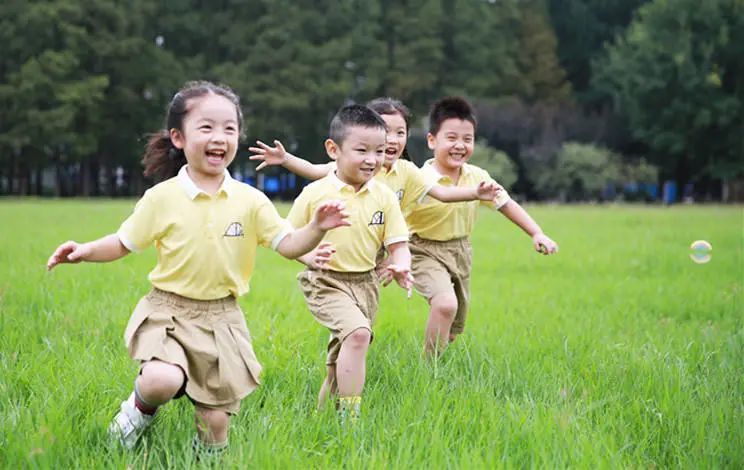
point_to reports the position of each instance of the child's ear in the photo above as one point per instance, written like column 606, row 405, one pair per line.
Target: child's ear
column 332, row 149
column 177, row 138
column 431, row 140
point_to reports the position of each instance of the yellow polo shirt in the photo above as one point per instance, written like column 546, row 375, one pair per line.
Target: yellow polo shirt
column 206, row 244
column 435, row 220
column 407, row 182
column 375, row 217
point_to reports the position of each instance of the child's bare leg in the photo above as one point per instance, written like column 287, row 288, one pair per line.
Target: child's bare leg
column 329, row 387
column 351, row 363
column 158, row 383
column 211, row 425
column 442, row 311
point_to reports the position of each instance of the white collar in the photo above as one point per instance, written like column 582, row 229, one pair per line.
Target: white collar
column 192, row 190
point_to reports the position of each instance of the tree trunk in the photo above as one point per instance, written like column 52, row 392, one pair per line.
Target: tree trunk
column 39, row 189
column 57, row 175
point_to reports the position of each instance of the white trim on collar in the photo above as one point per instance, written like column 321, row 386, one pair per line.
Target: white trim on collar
column 192, row 190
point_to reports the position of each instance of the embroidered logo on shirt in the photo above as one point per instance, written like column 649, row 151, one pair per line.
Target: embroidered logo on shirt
column 378, row 218
column 235, row 229
column 400, row 193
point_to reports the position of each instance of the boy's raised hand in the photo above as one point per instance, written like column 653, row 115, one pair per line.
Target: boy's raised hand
column 401, row 274
column 488, row 190
column 269, row 156
column 68, row 252
column 543, row 244
column 330, row 215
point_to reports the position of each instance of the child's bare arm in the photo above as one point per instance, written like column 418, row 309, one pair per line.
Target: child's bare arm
column 399, row 267
column 277, row 155
column 328, row 215
column 108, row 248
column 542, row 243
column 485, row 191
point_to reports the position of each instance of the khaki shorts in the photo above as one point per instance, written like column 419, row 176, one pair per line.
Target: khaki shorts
column 443, row 268
column 342, row 302
column 207, row 339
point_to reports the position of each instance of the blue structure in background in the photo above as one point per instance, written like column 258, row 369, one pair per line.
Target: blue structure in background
column 669, row 191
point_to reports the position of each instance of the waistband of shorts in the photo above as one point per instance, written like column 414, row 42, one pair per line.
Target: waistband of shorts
column 345, row 276
column 425, row 241
column 217, row 305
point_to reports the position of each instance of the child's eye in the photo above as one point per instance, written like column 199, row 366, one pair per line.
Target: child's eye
column 230, row 129
column 205, row 127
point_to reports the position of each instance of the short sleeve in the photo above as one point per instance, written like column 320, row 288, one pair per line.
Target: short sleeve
column 417, row 185
column 299, row 214
column 141, row 228
column 271, row 228
column 396, row 230
column 502, row 198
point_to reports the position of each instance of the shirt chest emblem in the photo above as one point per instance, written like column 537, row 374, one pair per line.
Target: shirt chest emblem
column 400, row 194
column 235, row 229
column 378, row 218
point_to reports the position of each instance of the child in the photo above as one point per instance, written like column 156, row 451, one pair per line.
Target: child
column 440, row 243
column 189, row 333
column 343, row 297
column 402, row 176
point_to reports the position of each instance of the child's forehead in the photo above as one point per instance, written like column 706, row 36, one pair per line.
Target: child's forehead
column 212, row 106
column 365, row 134
column 456, row 125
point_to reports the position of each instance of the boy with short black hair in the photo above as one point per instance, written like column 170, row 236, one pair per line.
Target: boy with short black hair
column 340, row 285
column 440, row 244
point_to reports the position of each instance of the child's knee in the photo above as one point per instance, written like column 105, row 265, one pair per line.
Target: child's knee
column 161, row 378
column 215, row 423
column 444, row 305
column 358, row 339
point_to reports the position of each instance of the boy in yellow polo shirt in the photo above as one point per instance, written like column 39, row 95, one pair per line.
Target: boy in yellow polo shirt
column 440, row 243
column 343, row 296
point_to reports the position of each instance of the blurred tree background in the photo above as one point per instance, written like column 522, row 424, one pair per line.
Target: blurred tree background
column 577, row 99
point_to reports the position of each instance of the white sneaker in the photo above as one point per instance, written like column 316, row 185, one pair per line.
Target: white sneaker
column 129, row 423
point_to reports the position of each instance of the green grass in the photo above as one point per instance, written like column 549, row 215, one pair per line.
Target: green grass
column 618, row 352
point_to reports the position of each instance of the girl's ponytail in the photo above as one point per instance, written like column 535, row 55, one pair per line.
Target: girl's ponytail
column 162, row 159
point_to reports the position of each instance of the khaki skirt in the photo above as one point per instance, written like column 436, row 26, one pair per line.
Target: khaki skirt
column 207, row 339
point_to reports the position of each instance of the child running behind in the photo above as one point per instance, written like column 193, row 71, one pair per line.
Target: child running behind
column 440, row 233
column 189, row 333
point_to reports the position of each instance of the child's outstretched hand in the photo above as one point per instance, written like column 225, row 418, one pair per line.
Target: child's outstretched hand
column 488, row 191
column 320, row 256
column 330, row 215
column 269, row 156
column 402, row 276
column 68, row 252
column 543, row 244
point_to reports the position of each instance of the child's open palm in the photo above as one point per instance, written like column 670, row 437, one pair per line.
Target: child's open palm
column 330, row 215
column 68, row 252
column 402, row 276
column 269, row 156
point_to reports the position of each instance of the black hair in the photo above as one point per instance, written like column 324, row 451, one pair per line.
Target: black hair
column 161, row 158
column 451, row 107
column 353, row 115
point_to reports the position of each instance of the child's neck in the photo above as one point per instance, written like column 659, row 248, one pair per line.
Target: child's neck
column 207, row 183
column 343, row 179
column 452, row 173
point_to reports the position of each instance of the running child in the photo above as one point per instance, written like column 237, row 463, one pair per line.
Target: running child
column 440, row 233
column 342, row 290
column 189, row 333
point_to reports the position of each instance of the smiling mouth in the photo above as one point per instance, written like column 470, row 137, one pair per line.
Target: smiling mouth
column 215, row 157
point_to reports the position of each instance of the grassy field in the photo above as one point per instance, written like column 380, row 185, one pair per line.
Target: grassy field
column 618, row 352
